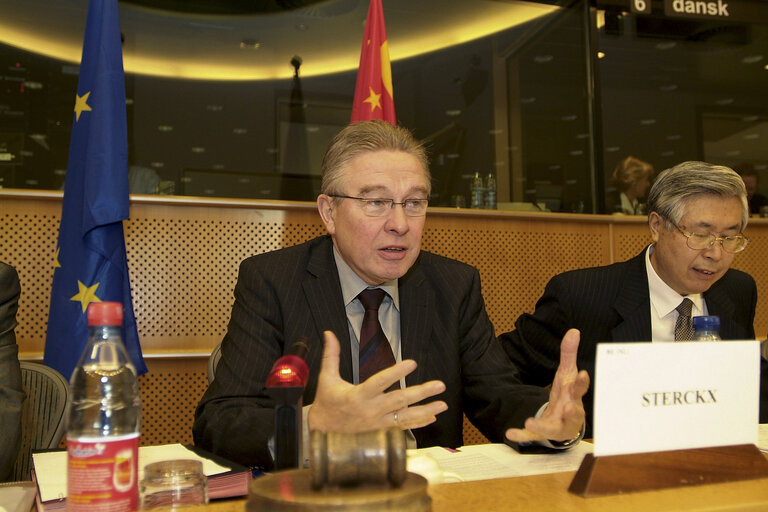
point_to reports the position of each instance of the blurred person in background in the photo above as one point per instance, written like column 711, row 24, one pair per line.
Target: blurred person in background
column 632, row 179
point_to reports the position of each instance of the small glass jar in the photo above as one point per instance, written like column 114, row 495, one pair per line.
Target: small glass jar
column 173, row 484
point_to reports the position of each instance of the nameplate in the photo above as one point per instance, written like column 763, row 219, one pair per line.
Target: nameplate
column 653, row 397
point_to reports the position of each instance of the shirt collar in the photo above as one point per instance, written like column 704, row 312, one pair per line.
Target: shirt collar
column 663, row 298
column 352, row 284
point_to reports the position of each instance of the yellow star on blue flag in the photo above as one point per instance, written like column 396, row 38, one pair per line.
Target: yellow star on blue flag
column 86, row 295
column 91, row 246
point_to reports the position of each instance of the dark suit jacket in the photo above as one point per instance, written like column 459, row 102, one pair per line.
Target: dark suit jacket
column 11, row 392
column 295, row 292
column 612, row 303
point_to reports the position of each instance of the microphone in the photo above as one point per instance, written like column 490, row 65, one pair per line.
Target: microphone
column 285, row 385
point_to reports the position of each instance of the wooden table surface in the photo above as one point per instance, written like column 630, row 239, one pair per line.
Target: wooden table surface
column 550, row 492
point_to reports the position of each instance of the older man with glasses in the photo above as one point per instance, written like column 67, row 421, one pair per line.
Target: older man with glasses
column 400, row 337
column 697, row 213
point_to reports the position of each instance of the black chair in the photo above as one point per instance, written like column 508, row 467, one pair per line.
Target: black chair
column 42, row 414
column 213, row 361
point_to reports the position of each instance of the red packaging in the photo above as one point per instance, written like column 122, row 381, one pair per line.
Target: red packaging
column 103, row 473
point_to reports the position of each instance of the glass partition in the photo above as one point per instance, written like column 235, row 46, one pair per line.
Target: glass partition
column 547, row 97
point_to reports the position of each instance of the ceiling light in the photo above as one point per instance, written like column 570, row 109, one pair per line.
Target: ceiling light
column 600, row 55
column 752, row 59
column 164, row 128
column 249, row 44
column 240, row 131
column 198, row 149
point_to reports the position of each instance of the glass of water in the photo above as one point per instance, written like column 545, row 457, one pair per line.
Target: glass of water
column 172, row 484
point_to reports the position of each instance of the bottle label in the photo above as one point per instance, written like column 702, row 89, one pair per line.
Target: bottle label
column 102, row 473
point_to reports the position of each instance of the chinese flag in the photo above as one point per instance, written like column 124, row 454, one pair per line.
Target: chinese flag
column 373, row 91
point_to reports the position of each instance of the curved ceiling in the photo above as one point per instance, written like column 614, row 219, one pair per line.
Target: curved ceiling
column 194, row 45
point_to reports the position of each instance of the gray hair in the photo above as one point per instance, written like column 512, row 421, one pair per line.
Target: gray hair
column 677, row 186
column 365, row 137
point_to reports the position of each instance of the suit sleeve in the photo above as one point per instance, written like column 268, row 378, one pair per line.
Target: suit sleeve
column 534, row 345
column 11, row 391
column 495, row 399
column 235, row 417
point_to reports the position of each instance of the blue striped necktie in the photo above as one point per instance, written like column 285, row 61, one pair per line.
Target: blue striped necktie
column 375, row 351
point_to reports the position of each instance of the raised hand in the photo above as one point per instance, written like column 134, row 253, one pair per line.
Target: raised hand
column 564, row 416
column 343, row 407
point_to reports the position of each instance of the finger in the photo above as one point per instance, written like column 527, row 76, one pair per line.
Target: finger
column 401, row 398
column 569, row 349
column 329, row 366
column 557, row 427
column 381, row 381
column 419, row 416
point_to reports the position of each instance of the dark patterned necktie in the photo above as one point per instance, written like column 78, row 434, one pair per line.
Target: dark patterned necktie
column 375, row 351
column 684, row 325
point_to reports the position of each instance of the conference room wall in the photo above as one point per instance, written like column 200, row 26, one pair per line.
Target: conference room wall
column 183, row 256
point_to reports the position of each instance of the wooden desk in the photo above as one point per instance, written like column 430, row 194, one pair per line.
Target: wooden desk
column 550, row 492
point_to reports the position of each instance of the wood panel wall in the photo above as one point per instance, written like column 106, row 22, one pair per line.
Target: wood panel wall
column 183, row 256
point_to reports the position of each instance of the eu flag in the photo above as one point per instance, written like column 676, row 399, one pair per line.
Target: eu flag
column 90, row 260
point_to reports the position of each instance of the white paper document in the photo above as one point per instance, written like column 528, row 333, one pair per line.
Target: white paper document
column 671, row 396
column 488, row 461
column 51, row 467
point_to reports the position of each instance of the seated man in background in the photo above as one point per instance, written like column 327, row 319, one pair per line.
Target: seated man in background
column 11, row 391
column 439, row 340
column 696, row 214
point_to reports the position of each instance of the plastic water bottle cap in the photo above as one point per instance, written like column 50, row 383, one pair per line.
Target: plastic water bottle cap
column 105, row 313
column 706, row 323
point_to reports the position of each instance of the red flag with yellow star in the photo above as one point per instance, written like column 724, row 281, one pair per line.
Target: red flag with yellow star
column 373, row 91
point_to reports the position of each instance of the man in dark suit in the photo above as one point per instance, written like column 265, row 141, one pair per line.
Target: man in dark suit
column 11, row 392
column 439, row 340
column 697, row 212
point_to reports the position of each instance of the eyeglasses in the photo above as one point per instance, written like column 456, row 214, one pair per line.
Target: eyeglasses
column 700, row 241
column 378, row 207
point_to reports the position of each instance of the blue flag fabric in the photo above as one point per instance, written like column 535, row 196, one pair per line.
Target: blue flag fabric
column 90, row 261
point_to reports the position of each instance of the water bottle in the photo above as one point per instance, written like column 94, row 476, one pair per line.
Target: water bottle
column 706, row 328
column 477, row 191
column 490, row 191
column 103, row 420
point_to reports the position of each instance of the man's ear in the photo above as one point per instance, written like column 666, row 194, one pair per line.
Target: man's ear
column 656, row 224
column 325, row 206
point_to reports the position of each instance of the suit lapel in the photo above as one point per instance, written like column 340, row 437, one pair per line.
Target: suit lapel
column 720, row 303
column 633, row 304
column 416, row 308
column 323, row 293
